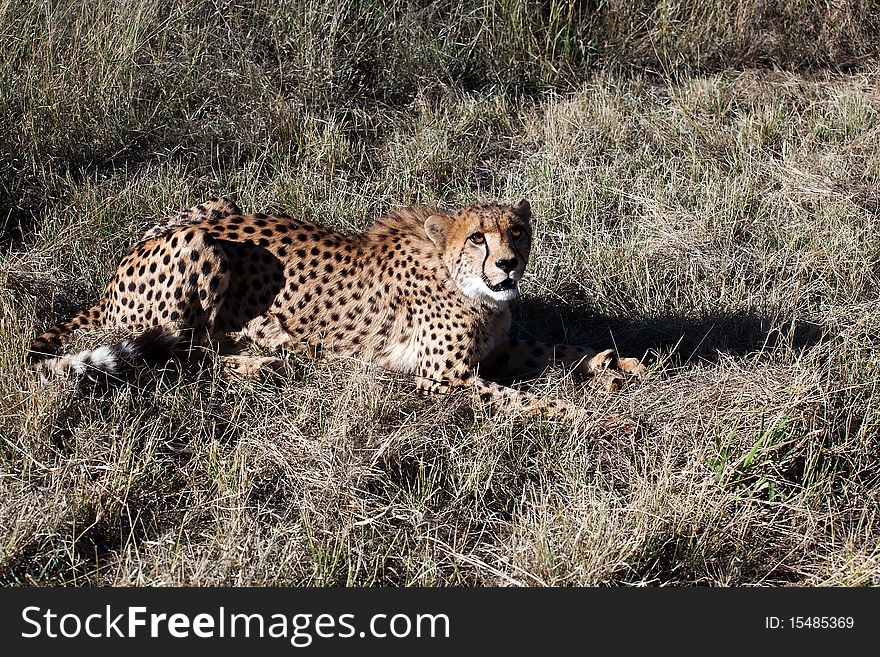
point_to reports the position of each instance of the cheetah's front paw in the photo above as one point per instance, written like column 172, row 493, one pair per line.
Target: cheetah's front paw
column 608, row 372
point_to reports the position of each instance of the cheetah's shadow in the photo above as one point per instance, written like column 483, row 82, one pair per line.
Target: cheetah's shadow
column 680, row 337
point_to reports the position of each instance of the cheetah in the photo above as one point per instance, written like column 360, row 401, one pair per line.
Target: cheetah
column 422, row 291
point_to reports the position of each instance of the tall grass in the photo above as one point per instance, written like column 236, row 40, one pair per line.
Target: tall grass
column 704, row 179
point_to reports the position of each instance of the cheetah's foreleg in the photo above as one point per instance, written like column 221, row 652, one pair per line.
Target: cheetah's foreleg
column 605, row 367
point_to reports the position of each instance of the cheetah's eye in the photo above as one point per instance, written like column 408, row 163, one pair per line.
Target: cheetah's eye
column 516, row 232
column 477, row 238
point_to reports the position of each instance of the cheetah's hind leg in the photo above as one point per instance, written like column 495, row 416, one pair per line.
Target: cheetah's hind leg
column 249, row 366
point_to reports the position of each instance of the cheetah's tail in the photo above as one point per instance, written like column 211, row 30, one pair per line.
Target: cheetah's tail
column 153, row 346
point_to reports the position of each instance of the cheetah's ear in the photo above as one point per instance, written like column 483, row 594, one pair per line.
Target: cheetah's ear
column 522, row 209
column 437, row 229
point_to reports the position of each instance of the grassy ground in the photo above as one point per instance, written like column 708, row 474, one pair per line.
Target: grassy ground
column 705, row 185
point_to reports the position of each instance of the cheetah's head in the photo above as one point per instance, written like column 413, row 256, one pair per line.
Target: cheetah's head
column 485, row 248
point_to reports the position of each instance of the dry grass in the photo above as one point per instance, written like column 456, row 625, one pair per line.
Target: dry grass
column 705, row 186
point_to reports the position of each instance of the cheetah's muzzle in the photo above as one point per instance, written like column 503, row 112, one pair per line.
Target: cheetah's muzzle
column 506, row 284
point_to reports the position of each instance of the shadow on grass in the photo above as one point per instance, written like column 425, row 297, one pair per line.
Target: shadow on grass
column 29, row 196
column 51, row 303
column 685, row 338
column 91, row 534
column 63, row 555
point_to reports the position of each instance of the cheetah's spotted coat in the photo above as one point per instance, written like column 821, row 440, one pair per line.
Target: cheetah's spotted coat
column 421, row 291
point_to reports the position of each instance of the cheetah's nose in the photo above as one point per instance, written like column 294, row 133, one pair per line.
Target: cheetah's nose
column 506, row 265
